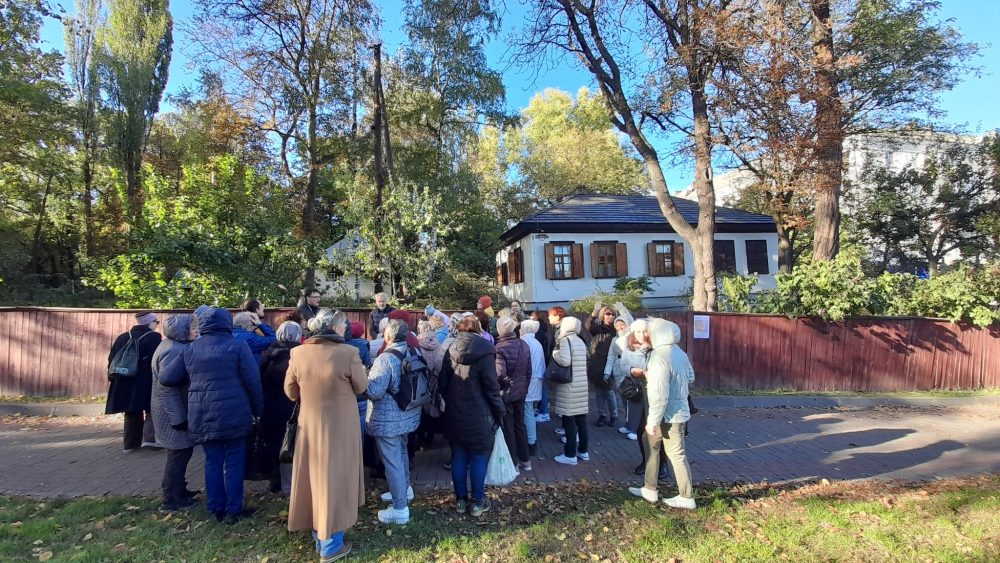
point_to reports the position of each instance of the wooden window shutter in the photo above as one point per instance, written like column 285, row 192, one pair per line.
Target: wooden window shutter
column 621, row 259
column 578, row 261
column 517, row 266
column 651, row 266
column 678, row 257
column 550, row 261
column 499, row 274
column 594, row 269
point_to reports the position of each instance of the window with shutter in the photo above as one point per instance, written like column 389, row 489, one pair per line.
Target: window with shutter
column 603, row 259
column 577, row 260
column 757, row 262
column 724, row 254
column 661, row 258
column 516, row 266
column 559, row 260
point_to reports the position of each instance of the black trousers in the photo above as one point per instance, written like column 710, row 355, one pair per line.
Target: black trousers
column 575, row 425
column 138, row 429
column 174, row 482
column 515, row 433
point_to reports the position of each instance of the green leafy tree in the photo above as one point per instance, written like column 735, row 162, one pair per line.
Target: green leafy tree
column 565, row 142
column 222, row 234
column 133, row 57
column 921, row 214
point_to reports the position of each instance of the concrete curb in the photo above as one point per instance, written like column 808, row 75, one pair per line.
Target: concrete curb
column 818, row 401
column 707, row 402
column 51, row 409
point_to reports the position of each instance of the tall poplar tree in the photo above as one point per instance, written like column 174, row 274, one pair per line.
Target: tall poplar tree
column 133, row 56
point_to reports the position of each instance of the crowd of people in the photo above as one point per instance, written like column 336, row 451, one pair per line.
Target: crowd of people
column 220, row 380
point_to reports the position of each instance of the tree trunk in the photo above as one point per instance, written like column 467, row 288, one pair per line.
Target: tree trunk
column 88, row 201
column 379, row 169
column 36, row 241
column 786, row 258
column 309, row 209
column 706, row 293
column 829, row 135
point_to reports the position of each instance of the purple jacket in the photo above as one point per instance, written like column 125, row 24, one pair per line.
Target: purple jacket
column 513, row 367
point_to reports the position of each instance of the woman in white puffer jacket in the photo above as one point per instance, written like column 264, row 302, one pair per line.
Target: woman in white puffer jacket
column 668, row 377
column 572, row 399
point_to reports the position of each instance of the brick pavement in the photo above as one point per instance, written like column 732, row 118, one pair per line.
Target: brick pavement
column 78, row 456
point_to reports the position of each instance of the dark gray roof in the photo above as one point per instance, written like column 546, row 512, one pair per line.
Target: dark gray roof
column 600, row 213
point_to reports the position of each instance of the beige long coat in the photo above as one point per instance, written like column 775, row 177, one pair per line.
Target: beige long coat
column 327, row 481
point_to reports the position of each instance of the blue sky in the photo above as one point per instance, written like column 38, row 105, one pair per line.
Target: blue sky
column 971, row 104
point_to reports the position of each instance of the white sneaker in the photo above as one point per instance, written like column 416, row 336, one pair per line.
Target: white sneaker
column 387, row 496
column 565, row 460
column 647, row 494
column 560, row 431
column 632, row 436
column 391, row 515
column 585, row 456
column 542, row 418
column 624, row 430
column 680, row 502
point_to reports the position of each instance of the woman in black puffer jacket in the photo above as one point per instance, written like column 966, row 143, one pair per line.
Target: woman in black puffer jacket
column 277, row 406
column 473, row 411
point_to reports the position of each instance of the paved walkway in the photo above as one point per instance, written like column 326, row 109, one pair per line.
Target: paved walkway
column 77, row 456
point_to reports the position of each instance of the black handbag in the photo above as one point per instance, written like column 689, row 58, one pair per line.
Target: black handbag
column 288, row 442
column 630, row 389
column 257, row 467
column 559, row 374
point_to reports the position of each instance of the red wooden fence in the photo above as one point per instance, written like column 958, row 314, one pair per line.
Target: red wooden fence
column 64, row 352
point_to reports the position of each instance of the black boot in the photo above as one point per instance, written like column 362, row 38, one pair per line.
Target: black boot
column 601, row 420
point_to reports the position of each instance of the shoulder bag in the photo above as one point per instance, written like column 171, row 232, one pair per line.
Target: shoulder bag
column 288, row 442
column 559, row 374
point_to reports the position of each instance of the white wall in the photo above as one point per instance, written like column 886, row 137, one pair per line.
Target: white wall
column 537, row 291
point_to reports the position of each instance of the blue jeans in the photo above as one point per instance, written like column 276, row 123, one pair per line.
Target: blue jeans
column 466, row 465
column 543, row 405
column 397, row 467
column 224, row 461
column 529, row 421
column 328, row 547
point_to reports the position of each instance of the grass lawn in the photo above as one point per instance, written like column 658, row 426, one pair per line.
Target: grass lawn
column 953, row 520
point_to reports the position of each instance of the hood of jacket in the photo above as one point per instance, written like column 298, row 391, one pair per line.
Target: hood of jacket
column 663, row 333
column 469, row 348
column 215, row 321
column 178, row 327
column 568, row 326
column 429, row 341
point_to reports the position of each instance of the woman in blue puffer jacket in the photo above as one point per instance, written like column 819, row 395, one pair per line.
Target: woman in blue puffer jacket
column 224, row 394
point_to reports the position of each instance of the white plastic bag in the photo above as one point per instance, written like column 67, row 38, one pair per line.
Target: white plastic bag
column 501, row 469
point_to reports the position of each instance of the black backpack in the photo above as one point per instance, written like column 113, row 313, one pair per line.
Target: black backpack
column 413, row 392
column 125, row 362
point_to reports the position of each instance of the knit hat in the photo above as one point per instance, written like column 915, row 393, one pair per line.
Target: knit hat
column 639, row 325
column 145, row 317
column 401, row 315
column 357, row 329
column 506, row 325
column 485, row 302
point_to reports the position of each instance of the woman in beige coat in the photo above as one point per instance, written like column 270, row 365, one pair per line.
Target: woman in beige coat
column 571, row 399
column 326, row 375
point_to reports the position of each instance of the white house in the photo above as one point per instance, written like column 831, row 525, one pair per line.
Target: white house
column 344, row 284
column 587, row 241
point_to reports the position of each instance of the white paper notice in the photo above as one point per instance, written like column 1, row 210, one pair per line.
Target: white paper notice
column 701, row 326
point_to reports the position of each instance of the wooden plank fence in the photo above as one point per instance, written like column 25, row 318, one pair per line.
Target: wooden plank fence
column 63, row 352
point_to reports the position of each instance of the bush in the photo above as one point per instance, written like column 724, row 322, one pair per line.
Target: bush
column 627, row 290
column 734, row 292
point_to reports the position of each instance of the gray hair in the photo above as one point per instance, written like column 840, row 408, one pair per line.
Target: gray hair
column 396, row 331
column 424, row 326
column 289, row 331
column 328, row 319
column 244, row 320
column 382, row 324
